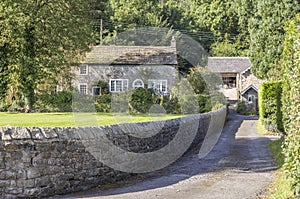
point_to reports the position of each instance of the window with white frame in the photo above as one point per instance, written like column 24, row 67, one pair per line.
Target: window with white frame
column 251, row 98
column 138, row 83
column 82, row 89
column 118, row 85
column 96, row 90
column 83, row 70
column 158, row 85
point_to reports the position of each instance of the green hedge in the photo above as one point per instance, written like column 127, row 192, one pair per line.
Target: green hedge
column 270, row 106
column 291, row 102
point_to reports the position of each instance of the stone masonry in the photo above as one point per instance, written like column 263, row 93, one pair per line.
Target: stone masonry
column 41, row 162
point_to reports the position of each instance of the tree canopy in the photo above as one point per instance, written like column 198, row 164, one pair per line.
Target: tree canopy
column 39, row 39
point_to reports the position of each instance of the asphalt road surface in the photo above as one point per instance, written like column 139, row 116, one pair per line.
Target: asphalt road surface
column 240, row 166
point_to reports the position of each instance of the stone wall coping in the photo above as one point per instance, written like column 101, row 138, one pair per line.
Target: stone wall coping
column 44, row 133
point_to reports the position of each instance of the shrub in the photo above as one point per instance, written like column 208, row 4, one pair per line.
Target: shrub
column 241, row 108
column 142, row 99
column 270, row 106
column 189, row 104
column 103, row 103
column 171, row 105
column 204, row 102
column 58, row 102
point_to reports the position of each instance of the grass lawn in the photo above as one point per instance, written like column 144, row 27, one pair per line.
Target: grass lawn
column 68, row 119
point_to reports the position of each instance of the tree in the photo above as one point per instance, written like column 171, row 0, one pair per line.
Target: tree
column 203, row 81
column 266, row 29
column 224, row 49
column 44, row 38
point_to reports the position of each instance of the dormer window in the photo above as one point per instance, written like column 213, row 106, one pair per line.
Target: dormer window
column 83, row 70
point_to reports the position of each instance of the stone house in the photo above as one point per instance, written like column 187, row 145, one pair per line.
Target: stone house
column 239, row 83
column 128, row 67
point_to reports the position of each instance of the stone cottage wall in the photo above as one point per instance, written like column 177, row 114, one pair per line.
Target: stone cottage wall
column 248, row 78
column 98, row 72
column 40, row 162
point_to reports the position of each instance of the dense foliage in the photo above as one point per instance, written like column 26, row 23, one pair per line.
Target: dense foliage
column 266, row 28
column 142, row 99
column 291, row 102
column 270, row 106
column 241, row 108
column 38, row 40
column 222, row 27
column 58, row 102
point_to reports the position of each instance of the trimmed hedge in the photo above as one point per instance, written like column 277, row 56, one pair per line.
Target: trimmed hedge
column 270, row 106
column 291, row 102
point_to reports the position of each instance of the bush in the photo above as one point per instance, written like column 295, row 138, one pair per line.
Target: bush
column 241, row 108
column 142, row 99
column 103, row 103
column 58, row 102
column 189, row 104
column 270, row 106
column 171, row 105
column 204, row 102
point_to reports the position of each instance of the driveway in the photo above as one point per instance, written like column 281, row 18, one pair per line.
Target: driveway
column 239, row 166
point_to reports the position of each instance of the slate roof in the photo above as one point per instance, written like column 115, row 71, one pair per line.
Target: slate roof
column 228, row 64
column 248, row 88
column 132, row 55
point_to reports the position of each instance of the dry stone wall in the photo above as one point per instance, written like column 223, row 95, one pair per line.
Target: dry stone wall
column 40, row 162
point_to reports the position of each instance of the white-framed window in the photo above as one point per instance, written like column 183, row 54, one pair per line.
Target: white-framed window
column 138, row 83
column 251, row 98
column 84, row 69
column 118, row 85
column 82, row 88
column 96, row 90
column 158, row 85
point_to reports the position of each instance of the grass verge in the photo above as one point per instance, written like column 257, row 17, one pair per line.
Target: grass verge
column 281, row 187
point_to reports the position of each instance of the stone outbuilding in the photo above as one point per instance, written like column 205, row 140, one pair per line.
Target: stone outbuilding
column 239, row 83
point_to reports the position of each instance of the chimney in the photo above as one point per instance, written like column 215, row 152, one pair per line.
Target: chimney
column 173, row 42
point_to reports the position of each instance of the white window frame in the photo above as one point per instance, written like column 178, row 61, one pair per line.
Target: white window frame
column 251, row 98
column 86, row 90
column 137, row 81
column 86, row 69
column 158, row 82
column 113, row 84
column 96, row 87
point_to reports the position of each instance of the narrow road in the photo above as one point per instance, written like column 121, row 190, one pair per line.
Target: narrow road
column 240, row 166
